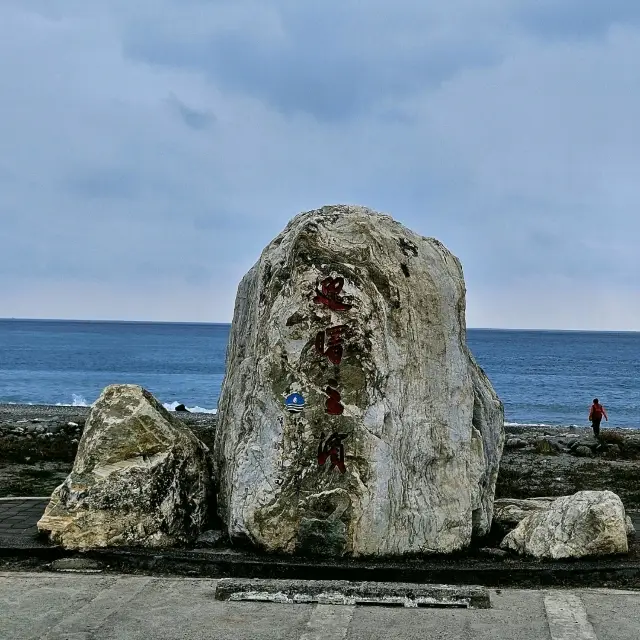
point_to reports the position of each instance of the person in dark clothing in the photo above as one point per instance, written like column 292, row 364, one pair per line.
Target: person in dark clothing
column 595, row 415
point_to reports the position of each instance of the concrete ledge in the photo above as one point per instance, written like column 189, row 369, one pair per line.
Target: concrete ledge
column 353, row 593
column 227, row 563
column 28, row 545
column 617, row 572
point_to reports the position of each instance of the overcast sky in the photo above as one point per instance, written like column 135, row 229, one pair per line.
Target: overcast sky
column 150, row 149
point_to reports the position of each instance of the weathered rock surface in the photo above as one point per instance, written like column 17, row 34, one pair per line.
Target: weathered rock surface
column 140, row 478
column 365, row 321
column 588, row 523
column 508, row 512
column 211, row 539
column 631, row 530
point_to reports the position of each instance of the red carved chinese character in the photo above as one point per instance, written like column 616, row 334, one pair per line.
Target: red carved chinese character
column 333, row 449
column 329, row 295
column 334, row 407
column 333, row 349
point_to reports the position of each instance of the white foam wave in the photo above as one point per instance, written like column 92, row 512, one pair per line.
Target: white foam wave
column 77, row 401
column 540, row 424
column 171, row 406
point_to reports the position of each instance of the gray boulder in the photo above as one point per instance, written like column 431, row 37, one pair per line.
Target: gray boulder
column 353, row 418
column 582, row 452
column 516, row 443
column 211, row 539
column 588, row 442
column 588, row 523
column 140, row 478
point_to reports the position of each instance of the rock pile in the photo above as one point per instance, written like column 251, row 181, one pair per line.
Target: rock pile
column 353, row 418
column 30, row 440
column 577, row 442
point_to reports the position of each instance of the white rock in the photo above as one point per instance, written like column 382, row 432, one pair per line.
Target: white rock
column 588, row 523
column 508, row 512
column 140, row 478
column 424, row 428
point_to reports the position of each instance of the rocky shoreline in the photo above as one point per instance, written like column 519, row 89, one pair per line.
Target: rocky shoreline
column 546, row 461
column 38, row 444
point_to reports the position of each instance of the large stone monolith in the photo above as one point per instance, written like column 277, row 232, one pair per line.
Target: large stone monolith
column 353, row 418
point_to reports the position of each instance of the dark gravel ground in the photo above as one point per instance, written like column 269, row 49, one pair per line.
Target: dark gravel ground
column 536, row 461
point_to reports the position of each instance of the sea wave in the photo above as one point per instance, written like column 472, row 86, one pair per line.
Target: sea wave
column 541, row 424
column 171, row 406
column 77, row 401
column 80, row 401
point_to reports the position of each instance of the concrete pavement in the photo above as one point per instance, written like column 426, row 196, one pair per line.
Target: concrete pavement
column 79, row 606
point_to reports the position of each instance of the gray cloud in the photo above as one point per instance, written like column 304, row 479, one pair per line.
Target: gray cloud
column 575, row 18
column 153, row 149
column 104, row 183
column 194, row 118
column 330, row 60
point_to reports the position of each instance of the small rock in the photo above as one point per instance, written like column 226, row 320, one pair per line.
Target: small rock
column 181, row 407
column 36, row 420
column 73, row 565
column 72, row 424
column 40, row 429
column 74, row 441
column 582, row 452
column 54, row 428
column 30, row 429
column 614, row 451
column 590, row 443
column 515, row 443
column 496, row 553
column 18, row 430
column 210, row 539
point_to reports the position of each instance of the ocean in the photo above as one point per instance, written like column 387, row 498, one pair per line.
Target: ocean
column 543, row 377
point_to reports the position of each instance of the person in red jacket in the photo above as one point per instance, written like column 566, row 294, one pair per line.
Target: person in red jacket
column 595, row 415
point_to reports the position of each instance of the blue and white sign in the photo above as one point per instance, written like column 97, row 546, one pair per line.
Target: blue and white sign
column 294, row 402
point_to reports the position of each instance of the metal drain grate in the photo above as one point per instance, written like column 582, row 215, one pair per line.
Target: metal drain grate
column 370, row 594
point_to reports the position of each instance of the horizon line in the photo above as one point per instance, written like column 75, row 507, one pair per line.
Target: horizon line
column 210, row 323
